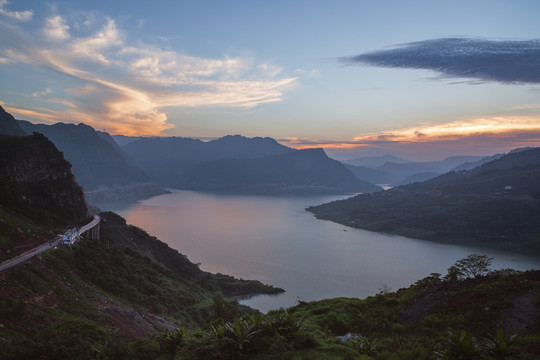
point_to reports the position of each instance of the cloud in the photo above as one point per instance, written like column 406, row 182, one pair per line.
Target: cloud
column 42, row 93
column 56, row 29
column 98, row 46
column 44, row 114
column 486, row 135
column 25, row 15
column 6, row 61
column 511, row 62
column 499, row 126
column 124, row 85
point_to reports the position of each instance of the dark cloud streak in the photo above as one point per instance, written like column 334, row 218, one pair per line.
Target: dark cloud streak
column 510, row 62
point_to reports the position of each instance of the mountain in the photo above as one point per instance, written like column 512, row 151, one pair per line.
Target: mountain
column 472, row 164
column 235, row 163
column 405, row 170
column 8, row 124
column 164, row 158
column 371, row 175
column 375, row 161
column 389, row 169
column 102, row 171
column 495, row 205
column 304, row 171
column 38, row 193
column 123, row 140
column 417, row 177
column 127, row 295
column 108, row 138
column 515, row 158
column 100, row 297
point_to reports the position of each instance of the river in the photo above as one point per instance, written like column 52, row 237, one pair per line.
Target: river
column 274, row 240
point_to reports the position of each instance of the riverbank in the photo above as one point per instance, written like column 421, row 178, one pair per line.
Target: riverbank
column 274, row 240
column 502, row 223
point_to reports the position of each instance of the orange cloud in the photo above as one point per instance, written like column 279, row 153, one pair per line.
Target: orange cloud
column 458, row 129
column 43, row 114
column 124, row 86
column 524, row 129
column 342, row 145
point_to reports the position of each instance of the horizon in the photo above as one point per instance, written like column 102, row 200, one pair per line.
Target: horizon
column 340, row 154
column 343, row 156
column 355, row 78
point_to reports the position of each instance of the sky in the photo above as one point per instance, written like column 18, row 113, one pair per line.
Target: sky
column 418, row 79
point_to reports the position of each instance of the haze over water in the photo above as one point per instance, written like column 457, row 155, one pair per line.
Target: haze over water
column 274, row 240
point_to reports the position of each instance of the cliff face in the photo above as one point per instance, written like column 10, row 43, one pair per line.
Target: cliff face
column 95, row 161
column 8, row 124
column 36, row 182
column 99, row 165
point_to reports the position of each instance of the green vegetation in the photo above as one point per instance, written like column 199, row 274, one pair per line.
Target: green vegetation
column 122, row 288
column 115, row 231
column 496, row 205
column 468, row 317
column 472, row 266
column 130, row 296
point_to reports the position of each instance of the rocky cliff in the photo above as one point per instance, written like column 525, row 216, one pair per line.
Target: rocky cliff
column 8, row 124
column 36, row 185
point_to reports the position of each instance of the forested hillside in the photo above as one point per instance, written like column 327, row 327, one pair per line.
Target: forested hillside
column 496, row 205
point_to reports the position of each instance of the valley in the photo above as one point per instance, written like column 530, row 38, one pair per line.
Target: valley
column 128, row 294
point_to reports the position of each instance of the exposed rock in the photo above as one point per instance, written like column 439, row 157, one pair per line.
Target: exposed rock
column 8, row 124
column 36, row 175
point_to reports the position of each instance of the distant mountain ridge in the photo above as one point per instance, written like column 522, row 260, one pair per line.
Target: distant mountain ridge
column 404, row 170
column 235, row 163
column 494, row 205
column 309, row 170
column 95, row 161
column 372, row 175
column 375, row 161
column 109, row 172
column 98, row 163
column 395, row 171
column 163, row 159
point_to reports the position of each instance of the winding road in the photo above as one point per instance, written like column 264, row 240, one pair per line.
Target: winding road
column 48, row 245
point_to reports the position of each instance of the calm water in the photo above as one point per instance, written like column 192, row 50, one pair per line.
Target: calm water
column 274, row 240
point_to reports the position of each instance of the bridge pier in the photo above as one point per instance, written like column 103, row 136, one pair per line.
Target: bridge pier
column 94, row 232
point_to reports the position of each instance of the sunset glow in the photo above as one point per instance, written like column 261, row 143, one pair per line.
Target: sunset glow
column 140, row 71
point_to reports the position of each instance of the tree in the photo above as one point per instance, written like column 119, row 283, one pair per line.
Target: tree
column 472, row 266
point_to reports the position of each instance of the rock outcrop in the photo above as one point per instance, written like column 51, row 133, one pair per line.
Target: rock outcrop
column 36, row 180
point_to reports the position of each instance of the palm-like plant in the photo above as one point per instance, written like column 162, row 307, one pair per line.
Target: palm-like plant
column 99, row 350
column 500, row 346
column 365, row 345
column 175, row 338
column 239, row 333
column 282, row 323
column 459, row 346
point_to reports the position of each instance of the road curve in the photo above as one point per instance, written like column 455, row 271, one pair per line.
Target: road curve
column 41, row 248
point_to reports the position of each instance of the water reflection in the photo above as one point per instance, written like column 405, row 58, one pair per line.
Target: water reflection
column 274, row 240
